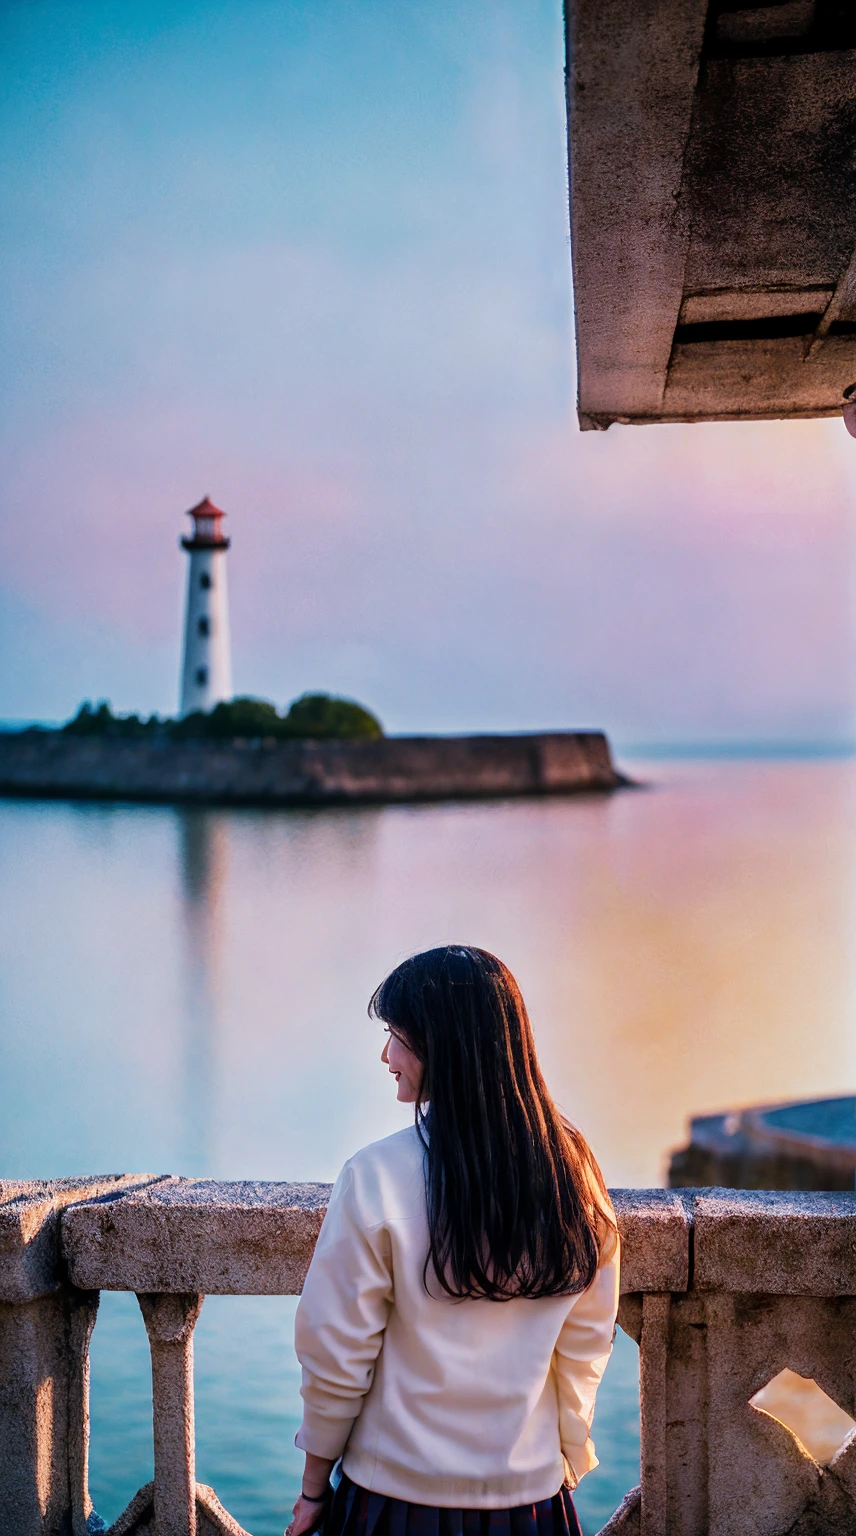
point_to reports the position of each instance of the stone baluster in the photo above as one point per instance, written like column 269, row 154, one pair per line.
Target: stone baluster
column 82, row 1312
column 45, row 1327
column 170, row 1320
column 653, row 1404
column 722, row 1289
column 34, row 1371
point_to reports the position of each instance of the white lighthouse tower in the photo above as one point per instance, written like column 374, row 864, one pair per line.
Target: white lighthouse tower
column 206, row 677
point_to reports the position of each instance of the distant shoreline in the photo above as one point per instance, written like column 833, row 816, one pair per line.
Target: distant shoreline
column 738, row 751
column 50, row 764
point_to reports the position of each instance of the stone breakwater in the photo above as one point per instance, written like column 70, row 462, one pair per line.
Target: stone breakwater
column 267, row 773
column 721, row 1289
column 810, row 1144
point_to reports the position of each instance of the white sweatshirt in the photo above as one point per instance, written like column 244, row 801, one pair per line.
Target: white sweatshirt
column 462, row 1404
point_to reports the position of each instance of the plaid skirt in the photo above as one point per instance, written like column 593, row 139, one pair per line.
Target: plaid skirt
column 356, row 1512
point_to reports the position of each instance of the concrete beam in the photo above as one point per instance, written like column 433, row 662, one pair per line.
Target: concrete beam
column 218, row 1238
column 197, row 1235
column 29, row 1227
column 752, row 1241
column 713, row 209
column 632, row 71
column 201, row 1235
column 655, row 1227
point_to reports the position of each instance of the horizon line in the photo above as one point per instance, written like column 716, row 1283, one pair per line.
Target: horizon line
column 717, row 747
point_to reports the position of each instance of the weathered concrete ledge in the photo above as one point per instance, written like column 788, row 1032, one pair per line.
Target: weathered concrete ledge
column 30, row 1260
column 269, row 773
column 759, row 1243
column 181, row 1235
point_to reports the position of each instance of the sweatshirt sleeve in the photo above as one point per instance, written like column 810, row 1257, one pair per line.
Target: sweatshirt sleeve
column 340, row 1321
column 582, row 1351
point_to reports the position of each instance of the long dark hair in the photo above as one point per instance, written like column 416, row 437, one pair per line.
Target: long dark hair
column 516, row 1202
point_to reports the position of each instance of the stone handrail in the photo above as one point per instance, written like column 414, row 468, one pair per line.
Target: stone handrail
column 721, row 1289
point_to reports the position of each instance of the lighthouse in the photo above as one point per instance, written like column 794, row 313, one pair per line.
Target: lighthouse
column 206, row 677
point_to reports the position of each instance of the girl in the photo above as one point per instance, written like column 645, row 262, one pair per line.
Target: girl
column 460, row 1305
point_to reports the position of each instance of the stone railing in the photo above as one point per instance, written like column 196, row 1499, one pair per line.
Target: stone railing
column 722, row 1290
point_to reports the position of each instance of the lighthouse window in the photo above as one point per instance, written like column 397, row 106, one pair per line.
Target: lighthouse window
column 205, row 581
column 204, row 627
column 201, row 676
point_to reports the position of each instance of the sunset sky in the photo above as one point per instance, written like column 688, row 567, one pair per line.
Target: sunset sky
column 312, row 259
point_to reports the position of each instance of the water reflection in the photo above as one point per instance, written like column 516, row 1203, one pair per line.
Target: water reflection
column 717, row 944
column 186, row 992
column 203, row 852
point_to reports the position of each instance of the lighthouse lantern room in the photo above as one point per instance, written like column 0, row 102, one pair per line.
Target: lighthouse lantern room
column 206, row 677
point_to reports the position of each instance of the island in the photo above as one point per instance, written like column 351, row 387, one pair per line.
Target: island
column 322, row 751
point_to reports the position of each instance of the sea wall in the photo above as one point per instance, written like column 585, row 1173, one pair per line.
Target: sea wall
column 806, row 1145
column 720, row 1290
column 393, row 768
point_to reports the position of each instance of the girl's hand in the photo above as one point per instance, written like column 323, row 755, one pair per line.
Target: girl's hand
column 308, row 1512
column 305, row 1515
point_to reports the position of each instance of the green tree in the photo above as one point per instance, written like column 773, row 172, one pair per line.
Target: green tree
column 320, row 715
column 312, row 715
column 238, row 717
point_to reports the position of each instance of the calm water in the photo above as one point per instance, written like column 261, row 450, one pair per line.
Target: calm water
column 185, row 991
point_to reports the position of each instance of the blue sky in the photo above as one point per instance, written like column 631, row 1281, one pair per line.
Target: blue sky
column 312, row 260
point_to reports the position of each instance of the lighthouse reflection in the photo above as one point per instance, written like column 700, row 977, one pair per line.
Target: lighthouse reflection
column 202, row 862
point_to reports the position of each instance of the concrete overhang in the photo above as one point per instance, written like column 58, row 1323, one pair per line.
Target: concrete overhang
column 713, row 207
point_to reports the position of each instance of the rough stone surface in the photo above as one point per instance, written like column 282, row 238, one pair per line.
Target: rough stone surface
column 653, row 1409
column 713, row 208
column 44, row 1403
column 831, row 1513
column 711, row 1464
column 29, row 1227
column 170, row 1321
column 251, row 1238
column 843, row 1465
column 402, row 768
column 632, row 70
column 211, row 1518
column 200, row 1235
column 137, row 1519
column 722, row 1290
column 34, row 1374
column 627, row 1518
column 655, row 1237
column 776, row 1244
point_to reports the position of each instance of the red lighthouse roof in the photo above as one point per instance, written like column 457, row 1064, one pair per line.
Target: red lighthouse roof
column 205, row 508
column 207, row 530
